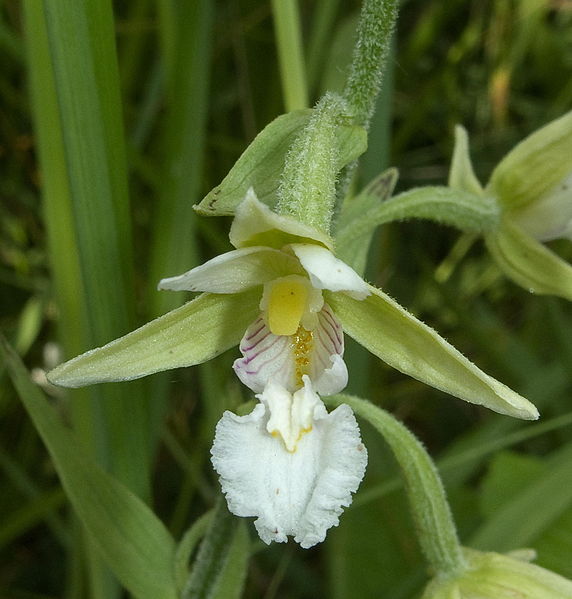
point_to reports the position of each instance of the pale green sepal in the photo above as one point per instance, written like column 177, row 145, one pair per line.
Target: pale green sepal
column 462, row 176
column 497, row 576
column 132, row 540
column 194, row 333
column 466, row 211
column 535, row 166
column 387, row 330
column 549, row 217
column 261, row 164
column 529, row 263
column 255, row 224
column 235, row 271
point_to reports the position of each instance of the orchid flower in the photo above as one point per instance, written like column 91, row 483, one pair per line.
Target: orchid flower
column 288, row 462
column 496, row 576
column 288, row 299
column 532, row 186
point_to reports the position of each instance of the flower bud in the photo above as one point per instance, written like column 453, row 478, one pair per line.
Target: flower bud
column 496, row 576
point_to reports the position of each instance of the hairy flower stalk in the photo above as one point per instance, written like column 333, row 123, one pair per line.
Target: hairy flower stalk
column 434, row 523
column 376, row 25
column 307, row 189
column 375, row 29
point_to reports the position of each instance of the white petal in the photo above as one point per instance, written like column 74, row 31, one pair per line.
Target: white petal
column 256, row 224
column 291, row 415
column 279, row 358
column 266, row 357
column 235, row 271
column 328, row 371
column 300, row 494
column 328, row 272
column 550, row 217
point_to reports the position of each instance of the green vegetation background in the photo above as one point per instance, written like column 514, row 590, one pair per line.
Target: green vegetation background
column 198, row 81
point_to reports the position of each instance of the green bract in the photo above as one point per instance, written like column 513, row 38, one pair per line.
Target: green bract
column 532, row 187
column 215, row 321
column 496, row 576
column 262, row 163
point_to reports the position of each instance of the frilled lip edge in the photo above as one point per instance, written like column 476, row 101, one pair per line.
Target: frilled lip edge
column 300, row 494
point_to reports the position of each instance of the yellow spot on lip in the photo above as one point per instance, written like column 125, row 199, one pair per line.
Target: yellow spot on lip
column 302, row 345
column 278, row 435
column 286, row 306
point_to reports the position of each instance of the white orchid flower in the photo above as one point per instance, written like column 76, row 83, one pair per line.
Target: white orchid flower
column 289, row 462
column 296, row 333
column 532, row 186
column 285, row 297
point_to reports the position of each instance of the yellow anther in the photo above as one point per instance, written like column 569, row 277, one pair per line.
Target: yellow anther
column 302, row 346
column 286, row 306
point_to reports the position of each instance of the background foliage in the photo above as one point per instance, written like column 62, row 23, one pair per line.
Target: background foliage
column 198, row 80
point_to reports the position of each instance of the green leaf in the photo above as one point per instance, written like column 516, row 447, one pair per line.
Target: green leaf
column 131, row 539
column 528, row 262
column 187, row 545
column 518, row 522
column 194, row 333
column 509, row 473
column 30, row 514
column 374, row 193
column 187, row 48
column 261, row 164
column 535, row 166
column 231, row 580
column 462, row 176
column 388, row 331
column 78, row 116
column 464, row 210
column 554, row 546
column 82, row 50
column 219, row 570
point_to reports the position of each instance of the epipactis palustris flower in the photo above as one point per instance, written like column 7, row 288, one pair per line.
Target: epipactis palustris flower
column 532, row 186
column 287, row 299
column 497, row 576
column 288, row 462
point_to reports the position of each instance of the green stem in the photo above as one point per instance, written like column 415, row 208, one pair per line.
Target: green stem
column 375, row 28
column 431, row 512
column 466, row 211
column 290, row 55
column 211, row 551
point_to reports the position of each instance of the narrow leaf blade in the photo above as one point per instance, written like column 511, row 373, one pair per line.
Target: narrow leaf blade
column 131, row 539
